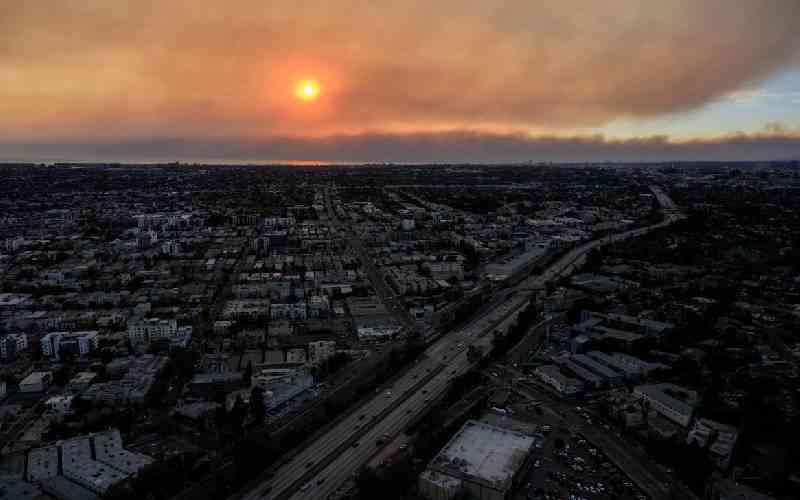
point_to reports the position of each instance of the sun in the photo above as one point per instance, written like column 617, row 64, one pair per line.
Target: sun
column 307, row 90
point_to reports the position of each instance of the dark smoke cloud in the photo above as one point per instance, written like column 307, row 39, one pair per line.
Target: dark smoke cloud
column 463, row 146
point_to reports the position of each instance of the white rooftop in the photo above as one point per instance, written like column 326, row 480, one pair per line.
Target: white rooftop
column 485, row 452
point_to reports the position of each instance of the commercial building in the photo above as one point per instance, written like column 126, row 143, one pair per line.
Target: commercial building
column 673, row 402
column 139, row 376
column 632, row 367
column 14, row 488
column 12, row 344
column 552, row 376
column 108, row 449
column 292, row 311
column 36, row 382
column 60, row 406
column 599, row 324
column 609, row 376
column 282, row 384
column 588, row 377
column 143, row 331
column 64, row 489
column 93, row 462
column 42, row 463
column 320, row 351
column 722, row 438
column 56, row 344
column 77, row 465
column 481, row 460
column 81, row 381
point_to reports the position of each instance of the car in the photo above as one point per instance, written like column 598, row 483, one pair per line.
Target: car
column 309, row 464
column 320, row 481
column 355, row 445
column 305, row 487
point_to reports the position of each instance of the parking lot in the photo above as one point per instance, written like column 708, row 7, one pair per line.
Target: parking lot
column 568, row 467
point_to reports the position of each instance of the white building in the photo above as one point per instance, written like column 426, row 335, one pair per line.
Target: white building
column 147, row 330
column 320, row 351
column 60, row 406
column 79, row 343
column 142, row 331
column 673, row 402
column 482, row 461
column 36, row 382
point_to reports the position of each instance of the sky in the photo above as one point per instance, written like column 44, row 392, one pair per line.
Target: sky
column 411, row 80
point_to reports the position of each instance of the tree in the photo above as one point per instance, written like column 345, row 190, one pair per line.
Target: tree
column 248, row 374
column 237, row 415
column 257, row 404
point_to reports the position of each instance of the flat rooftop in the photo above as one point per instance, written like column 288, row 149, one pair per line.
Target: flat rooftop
column 42, row 463
column 484, row 452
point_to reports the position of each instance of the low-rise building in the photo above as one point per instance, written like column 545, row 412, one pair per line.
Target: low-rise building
column 64, row 489
column 292, row 311
column 143, row 331
column 480, row 460
column 552, row 376
column 108, row 449
column 320, row 351
column 60, row 406
column 42, row 463
column 673, row 402
column 36, row 382
column 94, row 462
column 14, row 488
column 56, row 344
column 722, row 439
column 296, row 355
column 12, row 344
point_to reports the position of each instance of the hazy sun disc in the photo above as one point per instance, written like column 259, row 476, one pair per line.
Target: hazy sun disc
column 307, row 90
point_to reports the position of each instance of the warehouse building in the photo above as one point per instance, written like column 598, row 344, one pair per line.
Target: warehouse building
column 480, row 460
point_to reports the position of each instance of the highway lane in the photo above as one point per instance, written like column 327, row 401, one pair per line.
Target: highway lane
column 444, row 356
column 449, row 351
column 340, row 470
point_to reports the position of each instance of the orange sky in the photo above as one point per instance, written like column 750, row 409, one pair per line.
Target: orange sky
column 117, row 70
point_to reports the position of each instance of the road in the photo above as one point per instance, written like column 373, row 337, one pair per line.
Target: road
column 387, row 296
column 639, row 468
column 340, row 452
column 318, row 470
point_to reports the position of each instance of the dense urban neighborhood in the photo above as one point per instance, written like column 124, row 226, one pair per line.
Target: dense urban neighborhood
column 581, row 332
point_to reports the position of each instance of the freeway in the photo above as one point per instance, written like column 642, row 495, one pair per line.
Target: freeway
column 341, row 451
column 319, row 470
